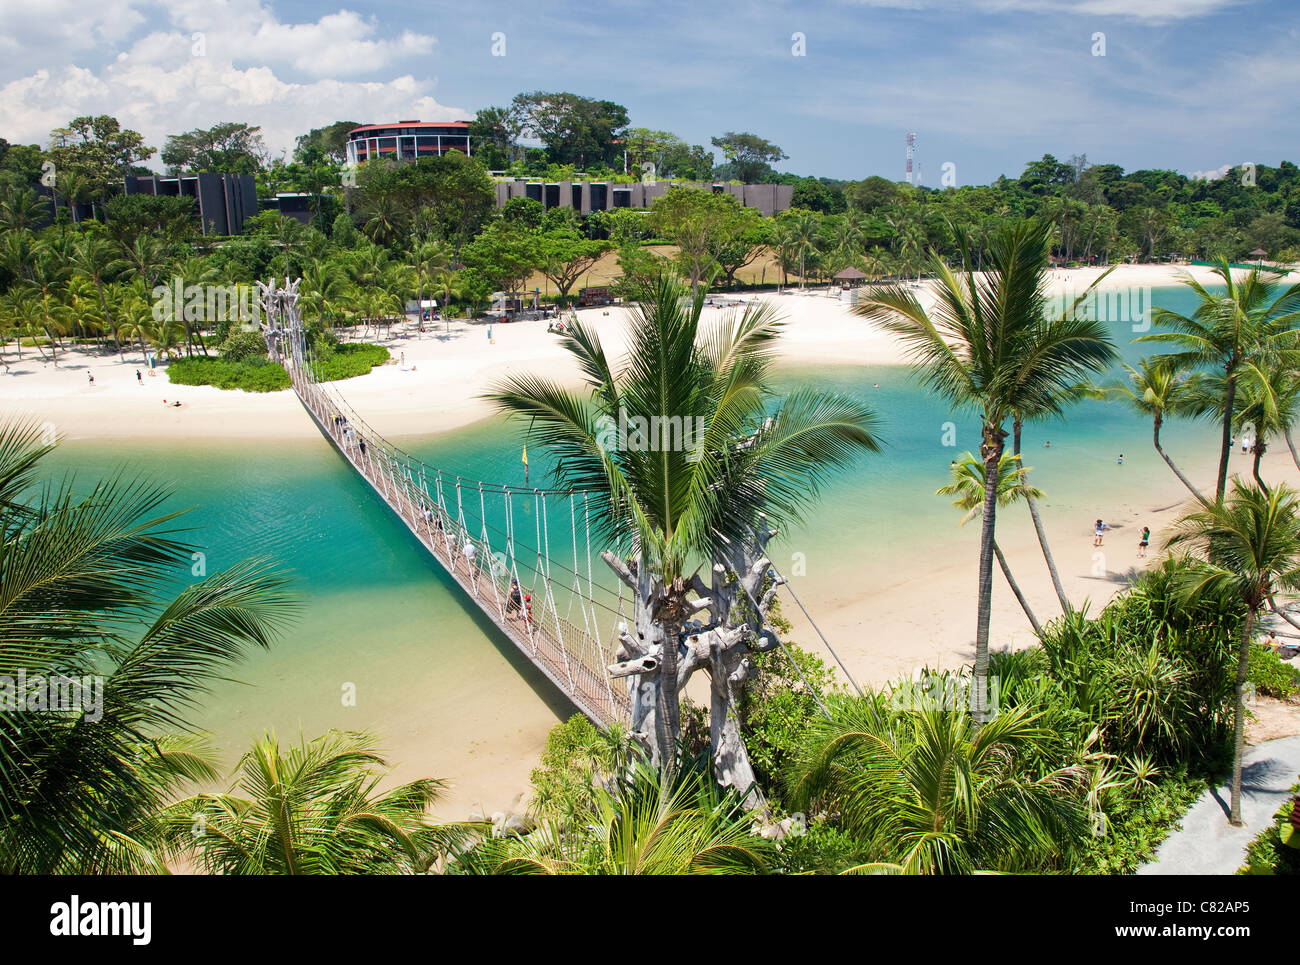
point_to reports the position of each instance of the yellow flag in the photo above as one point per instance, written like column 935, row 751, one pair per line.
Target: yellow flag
column 525, row 455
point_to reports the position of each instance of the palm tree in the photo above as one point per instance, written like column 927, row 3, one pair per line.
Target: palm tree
column 428, row 259
column 1269, row 405
column 20, row 209
column 81, row 578
column 1161, row 389
column 931, row 790
column 97, row 258
column 322, row 285
column 636, row 829
column 1252, row 322
column 804, row 231
column 314, row 809
column 1248, row 547
column 195, row 270
column 146, row 258
column 968, row 487
column 671, row 502
column 990, row 345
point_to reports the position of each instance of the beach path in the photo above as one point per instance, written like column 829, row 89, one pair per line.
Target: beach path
column 1206, row 844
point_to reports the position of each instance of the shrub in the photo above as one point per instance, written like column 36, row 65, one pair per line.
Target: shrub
column 350, row 360
column 251, row 375
column 1271, row 675
column 240, row 346
column 1271, row 853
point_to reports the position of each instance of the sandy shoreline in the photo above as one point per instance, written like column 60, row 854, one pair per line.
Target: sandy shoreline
column 438, row 386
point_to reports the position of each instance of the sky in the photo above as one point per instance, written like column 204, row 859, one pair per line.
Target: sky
column 986, row 85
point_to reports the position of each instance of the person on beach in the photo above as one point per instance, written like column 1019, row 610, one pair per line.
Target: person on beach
column 91, row 378
column 1143, row 542
column 139, row 379
column 1098, row 533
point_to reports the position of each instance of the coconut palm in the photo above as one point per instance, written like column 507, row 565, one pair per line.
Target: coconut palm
column 195, row 270
column 97, row 259
column 1249, row 547
column 313, row 808
column 1161, row 389
column 636, row 829
column 1254, row 321
column 84, row 582
column 967, row 487
column 20, row 208
column 146, row 258
column 1268, row 405
column 931, row 791
column 804, row 233
column 322, row 285
column 990, row 345
column 673, row 504
column 427, row 260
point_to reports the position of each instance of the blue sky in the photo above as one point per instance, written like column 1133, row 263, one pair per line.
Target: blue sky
column 986, row 84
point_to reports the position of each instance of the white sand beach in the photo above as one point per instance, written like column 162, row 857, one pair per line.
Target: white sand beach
column 446, row 370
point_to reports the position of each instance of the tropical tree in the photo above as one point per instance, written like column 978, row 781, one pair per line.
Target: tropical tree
column 1161, row 389
column 636, row 828
column 84, row 580
column 929, row 790
column 673, row 502
column 96, row 258
column 313, row 808
column 990, row 345
column 1269, row 405
column 805, row 232
column 1252, row 322
column 1248, row 547
column 1032, row 407
column 967, row 488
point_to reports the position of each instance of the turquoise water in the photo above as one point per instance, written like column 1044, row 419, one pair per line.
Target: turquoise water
column 380, row 613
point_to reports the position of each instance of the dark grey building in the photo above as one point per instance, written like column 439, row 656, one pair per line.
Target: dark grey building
column 224, row 201
column 588, row 196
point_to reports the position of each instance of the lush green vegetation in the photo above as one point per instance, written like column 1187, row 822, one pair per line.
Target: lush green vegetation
column 86, row 574
column 1276, row 850
column 250, row 375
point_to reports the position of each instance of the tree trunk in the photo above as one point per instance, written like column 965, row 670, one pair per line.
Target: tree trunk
column 1015, row 588
column 1229, row 402
column 1042, row 533
column 729, row 672
column 1239, row 717
column 668, row 710
column 1158, row 421
column 994, row 444
column 1291, row 445
column 1258, row 449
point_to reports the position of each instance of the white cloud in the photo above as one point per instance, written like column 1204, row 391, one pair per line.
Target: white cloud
column 1156, row 11
column 285, row 77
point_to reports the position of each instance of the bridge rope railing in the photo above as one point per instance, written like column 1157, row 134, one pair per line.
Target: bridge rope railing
column 450, row 517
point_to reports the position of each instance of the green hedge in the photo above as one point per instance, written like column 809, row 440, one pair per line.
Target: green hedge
column 1270, row 675
column 351, row 359
column 251, row 375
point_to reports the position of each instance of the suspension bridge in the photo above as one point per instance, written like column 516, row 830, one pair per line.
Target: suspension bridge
column 542, row 595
